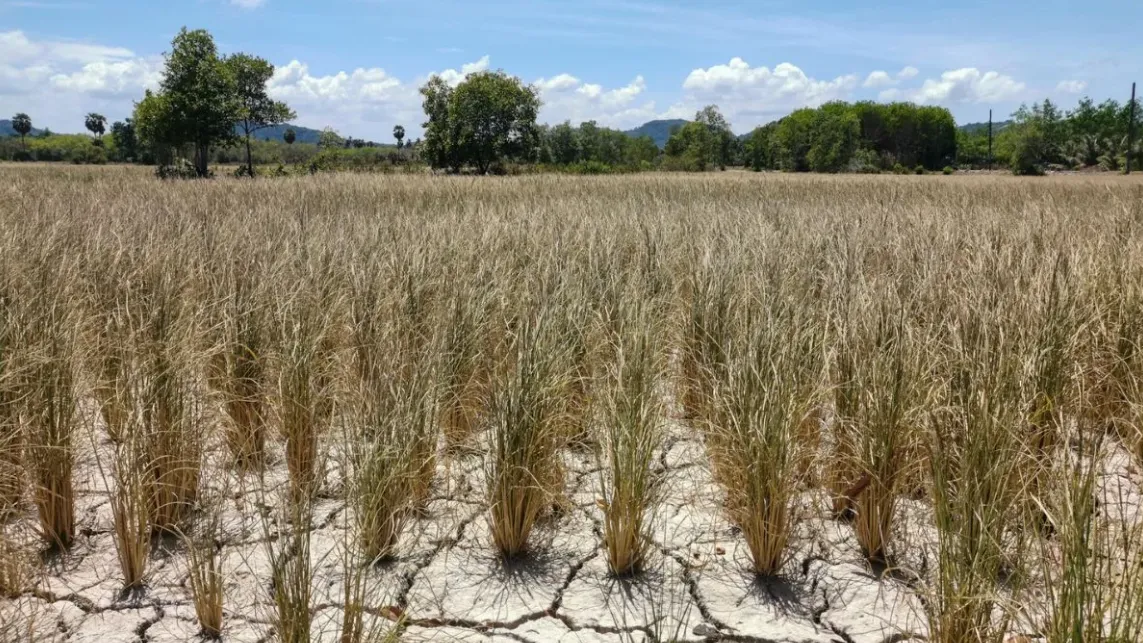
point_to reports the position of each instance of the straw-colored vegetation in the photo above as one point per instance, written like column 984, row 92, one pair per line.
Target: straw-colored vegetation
column 943, row 366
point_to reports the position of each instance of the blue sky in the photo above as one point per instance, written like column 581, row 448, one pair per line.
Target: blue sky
column 355, row 65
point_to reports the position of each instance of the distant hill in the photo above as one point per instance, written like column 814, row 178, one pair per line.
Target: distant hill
column 659, row 131
column 275, row 132
column 982, row 128
column 6, row 129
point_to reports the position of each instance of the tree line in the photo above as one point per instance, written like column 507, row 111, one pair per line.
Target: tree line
column 209, row 107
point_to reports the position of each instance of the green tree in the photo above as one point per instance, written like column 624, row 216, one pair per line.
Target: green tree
column 97, row 125
column 123, row 136
column 721, row 138
column 197, row 103
column 256, row 110
column 22, row 123
column 289, row 136
column 153, row 130
column 835, row 136
column 487, row 119
column 642, row 150
column 758, row 148
column 792, row 140
column 690, row 147
column 563, row 143
column 439, row 148
column 330, row 140
column 399, row 134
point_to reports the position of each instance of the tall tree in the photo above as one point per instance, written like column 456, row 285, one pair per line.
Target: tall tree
column 123, row 133
column 721, row 138
column 97, row 125
column 256, row 110
column 488, row 118
column 399, row 134
column 289, row 136
column 438, row 147
column 22, row 123
column 196, row 103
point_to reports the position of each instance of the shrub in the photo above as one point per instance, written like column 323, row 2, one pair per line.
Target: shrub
column 920, row 169
column 179, row 169
column 948, row 170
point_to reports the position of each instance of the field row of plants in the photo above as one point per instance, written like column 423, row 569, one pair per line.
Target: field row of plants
column 974, row 344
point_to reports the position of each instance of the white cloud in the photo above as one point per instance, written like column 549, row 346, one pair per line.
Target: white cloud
column 124, row 78
column 454, row 77
column 878, row 79
column 883, row 79
column 965, row 85
column 907, row 73
column 58, row 81
column 1071, row 86
column 749, row 96
column 566, row 97
column 366, row 102
column 248, row 4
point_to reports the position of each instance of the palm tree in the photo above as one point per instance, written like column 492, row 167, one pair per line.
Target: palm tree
column 22, row 123
column 399, row 134
column 96, row 124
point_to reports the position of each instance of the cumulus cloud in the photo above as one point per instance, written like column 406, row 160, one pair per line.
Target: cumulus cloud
column 879, row 78
column 1071, row 86
column 965, row 85
column 58, row 81
column 566, row 97
column 750, row 95
column 366, row 101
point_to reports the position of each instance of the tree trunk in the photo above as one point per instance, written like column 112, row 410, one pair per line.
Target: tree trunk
column 249, row 162
column 200, row 159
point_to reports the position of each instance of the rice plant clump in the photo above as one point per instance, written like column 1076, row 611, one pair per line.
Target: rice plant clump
column 523, row 470
column 633, row 431
column 769, row 387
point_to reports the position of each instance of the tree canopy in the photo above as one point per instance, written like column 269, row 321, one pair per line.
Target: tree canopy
column 487, row 119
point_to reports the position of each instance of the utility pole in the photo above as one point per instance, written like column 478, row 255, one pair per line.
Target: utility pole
column 1131, row 129
column 990, row 139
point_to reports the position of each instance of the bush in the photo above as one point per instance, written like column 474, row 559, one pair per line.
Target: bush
column 900, row 169
column 865, row 161
column 920, row 169
column 22, row 156
column 590, row 167
column 243, row 171
column 180, row 169
column 948, row 170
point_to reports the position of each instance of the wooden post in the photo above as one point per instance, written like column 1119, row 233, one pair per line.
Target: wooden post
column 990, row 139
column 1131, row 129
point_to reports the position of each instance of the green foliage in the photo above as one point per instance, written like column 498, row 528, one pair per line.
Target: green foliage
column 485, row 121
column 948, row 170
column 22, row 124
column 588, row 148
column 58, row 148
column 758, row 148
column 96, row 124
column 200, row 96
column 691, row 148
column 835, row 137
column 255, row 109
column 289, row 136
column 125, row 143
column 860, row 137
column 399, row 134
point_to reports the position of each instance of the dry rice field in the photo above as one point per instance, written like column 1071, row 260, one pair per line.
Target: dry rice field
column 656, row 407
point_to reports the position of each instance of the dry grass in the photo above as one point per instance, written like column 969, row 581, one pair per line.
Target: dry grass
column 945, row 339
